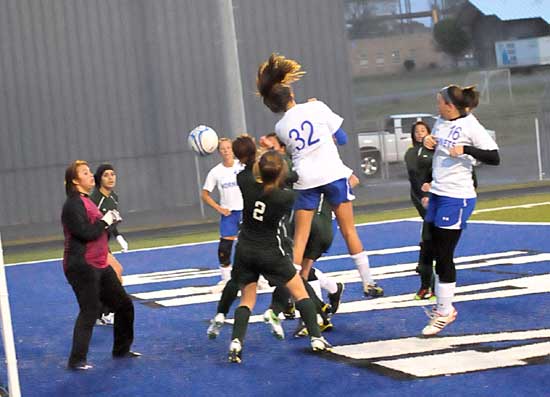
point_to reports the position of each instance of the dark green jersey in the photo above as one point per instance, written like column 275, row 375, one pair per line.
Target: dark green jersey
column 264, row 214
column 106, row 203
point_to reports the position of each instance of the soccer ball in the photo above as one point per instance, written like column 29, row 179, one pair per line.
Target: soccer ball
column 203, row 140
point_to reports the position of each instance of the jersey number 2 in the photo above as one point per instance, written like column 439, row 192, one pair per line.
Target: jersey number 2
column 259, row 210
column 307, row 128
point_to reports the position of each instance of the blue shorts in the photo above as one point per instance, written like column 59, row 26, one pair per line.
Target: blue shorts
column 229, row 225
column 448, row 212
column 336, row 192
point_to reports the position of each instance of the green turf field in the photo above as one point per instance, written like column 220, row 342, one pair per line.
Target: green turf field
column 539, row 213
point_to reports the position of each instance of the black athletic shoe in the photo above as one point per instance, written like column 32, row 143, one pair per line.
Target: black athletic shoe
column 129, row 354
column 373, row 290
column 336, row 298
column 80, row 366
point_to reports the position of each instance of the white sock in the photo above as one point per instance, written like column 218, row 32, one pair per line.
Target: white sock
column 362, row 262
column 327, row 283
column 316, row 285
column 445, row 293
column 225, row 272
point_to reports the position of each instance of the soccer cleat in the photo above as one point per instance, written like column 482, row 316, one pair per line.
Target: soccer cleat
column 373, row 290
column 300, row 330
column 128, row 354
column 106, row 319
column 215, row 325
column 80, row 366
column 336, row 298
column 438, row 322
column 320, row 344
column 235, row 350
column 326, row 326
column 424, row 293
column 290, row 311
column 275, row 323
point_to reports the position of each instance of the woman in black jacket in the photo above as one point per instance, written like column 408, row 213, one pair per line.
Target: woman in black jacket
column 85, row 265
column 419, row 168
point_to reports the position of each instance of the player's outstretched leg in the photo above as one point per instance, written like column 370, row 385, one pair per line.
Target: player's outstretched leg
column 242, row 314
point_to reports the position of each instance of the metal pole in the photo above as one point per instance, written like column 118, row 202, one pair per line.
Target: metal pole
column 539, row 154
column 199, row 184
column 232, row 70
column 7, row 331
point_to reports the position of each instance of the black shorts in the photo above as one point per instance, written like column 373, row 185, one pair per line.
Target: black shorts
column 250, row 262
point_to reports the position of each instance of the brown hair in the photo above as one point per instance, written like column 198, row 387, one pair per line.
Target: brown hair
column 273, row 170
column 72, row 173
column 413, row 129
column 465, row 99
column 244, row 149
column 274, row 135
column 273, row 81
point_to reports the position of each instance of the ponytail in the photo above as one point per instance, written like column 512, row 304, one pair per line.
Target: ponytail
column 273, row 170
column 274, row 79
column 465, row 99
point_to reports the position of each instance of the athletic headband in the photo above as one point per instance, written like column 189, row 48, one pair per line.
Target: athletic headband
column 446, row 95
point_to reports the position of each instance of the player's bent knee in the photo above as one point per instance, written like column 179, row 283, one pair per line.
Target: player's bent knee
column 224, row 251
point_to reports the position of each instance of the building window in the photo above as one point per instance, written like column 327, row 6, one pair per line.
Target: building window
column 380, row 58
column 395, row 56
column 412, row 53
column 363, row 60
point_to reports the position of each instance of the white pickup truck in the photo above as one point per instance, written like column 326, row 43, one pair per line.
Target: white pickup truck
column 390, row 144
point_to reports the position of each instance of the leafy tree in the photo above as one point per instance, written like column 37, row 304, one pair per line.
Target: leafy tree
column 451, row 38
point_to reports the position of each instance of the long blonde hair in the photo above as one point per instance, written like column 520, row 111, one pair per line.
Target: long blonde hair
column 274, row 79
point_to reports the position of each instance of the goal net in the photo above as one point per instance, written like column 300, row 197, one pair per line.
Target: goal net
column 493, row 85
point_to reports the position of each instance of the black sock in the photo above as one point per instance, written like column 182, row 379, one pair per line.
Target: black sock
column 318, row 303
column 307, row 311
column 279, row 299
column 229, row 295
column 242, row 314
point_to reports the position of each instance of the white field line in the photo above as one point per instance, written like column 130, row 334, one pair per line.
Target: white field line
column 415, row 219
column 523, row 286
column 344, row 276
column 351, row 276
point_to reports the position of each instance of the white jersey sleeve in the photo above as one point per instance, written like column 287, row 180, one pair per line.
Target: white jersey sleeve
column 211, row 180
column 480, row 138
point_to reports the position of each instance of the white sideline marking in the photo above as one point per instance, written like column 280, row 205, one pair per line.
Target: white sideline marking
column 382, row 272
column 511, row 207
column 437, row 364
column 169, row 275
column 175, row 275
column 345, row 276
column 523, row 286
column 416, row 345
column 467, row 361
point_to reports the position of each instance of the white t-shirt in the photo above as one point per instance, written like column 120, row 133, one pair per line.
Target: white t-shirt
column 306, row 129
column 225, row 179
column 452, row 176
